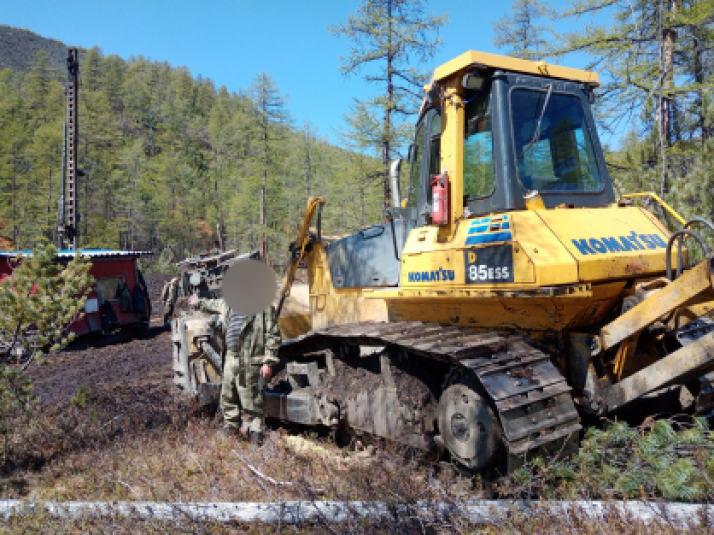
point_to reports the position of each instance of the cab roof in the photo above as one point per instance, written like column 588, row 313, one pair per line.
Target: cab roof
column 64, row 254
column 540, row 68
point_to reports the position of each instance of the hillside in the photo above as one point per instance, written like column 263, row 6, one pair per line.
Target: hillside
column 18, row 48
column 166, row 155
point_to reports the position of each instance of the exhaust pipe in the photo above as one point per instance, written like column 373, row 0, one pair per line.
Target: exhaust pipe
column 394, row 175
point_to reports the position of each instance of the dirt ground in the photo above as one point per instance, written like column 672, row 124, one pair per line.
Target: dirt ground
column 134, row 438
column 99, row 363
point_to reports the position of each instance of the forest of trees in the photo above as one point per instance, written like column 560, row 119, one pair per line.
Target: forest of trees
column 655, row 59
column 166, row 156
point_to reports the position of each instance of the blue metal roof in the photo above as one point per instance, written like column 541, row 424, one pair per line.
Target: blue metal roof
column 92, row 253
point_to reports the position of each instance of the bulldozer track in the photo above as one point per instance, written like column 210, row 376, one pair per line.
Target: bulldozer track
column 530, row 396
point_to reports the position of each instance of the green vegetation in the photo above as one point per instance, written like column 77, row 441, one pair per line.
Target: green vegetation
column 37, row 303
column 659, row 460
column 44, row 297
column 389, row 40
column 166, row 156
column 521, row 33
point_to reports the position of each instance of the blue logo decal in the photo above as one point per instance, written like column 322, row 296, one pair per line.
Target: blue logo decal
column 489, row 238
column 489, row 230
column 431, row 276
column 486, row 220
column 631, row 242
column 478, row 230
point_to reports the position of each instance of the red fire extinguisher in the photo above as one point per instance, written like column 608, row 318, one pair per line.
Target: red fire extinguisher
column 439, row 199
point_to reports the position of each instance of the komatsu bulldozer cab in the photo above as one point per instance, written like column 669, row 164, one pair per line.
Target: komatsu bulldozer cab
column 506, row 130
column 504, row 135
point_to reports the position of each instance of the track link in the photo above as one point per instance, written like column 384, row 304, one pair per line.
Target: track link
column 531, row 397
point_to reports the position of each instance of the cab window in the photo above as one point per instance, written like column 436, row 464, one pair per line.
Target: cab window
column 478, row 148
column 558, row 156
column 434, row 152
column 413, row 190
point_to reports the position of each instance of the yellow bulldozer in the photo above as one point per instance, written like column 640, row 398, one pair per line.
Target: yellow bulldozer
column 511, row 297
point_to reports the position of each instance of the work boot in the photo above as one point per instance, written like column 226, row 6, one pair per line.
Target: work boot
column 256, row 439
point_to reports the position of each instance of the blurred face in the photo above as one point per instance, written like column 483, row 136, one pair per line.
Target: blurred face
column 249, row 286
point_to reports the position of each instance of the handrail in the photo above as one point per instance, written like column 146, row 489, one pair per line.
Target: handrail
column 663, row 204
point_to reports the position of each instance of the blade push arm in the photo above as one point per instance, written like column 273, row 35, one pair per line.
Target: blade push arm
column 674, row 295
column 298, row 249
column 690, row 361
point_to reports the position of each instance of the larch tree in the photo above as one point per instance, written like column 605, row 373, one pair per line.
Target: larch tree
column 45, row 96
column 271, row 112
column 521, row 33
column 308, row 147
column 389, row 40
column 642, row 55
column 636, row 54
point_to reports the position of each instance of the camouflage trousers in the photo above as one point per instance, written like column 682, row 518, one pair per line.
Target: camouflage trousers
column 240, row 398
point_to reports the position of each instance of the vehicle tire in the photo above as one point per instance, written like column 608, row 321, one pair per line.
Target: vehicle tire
column 141, row 330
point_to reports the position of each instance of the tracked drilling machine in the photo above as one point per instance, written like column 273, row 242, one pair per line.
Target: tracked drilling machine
column 197, row 336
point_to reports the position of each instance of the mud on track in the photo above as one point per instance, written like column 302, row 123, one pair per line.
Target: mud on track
column 118, row 363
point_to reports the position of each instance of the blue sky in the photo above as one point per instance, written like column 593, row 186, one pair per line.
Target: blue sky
column 231, row 41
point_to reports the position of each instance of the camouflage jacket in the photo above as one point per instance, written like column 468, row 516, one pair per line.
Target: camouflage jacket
column 260, row 334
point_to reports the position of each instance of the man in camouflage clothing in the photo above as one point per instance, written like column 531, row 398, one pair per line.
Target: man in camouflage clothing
column 169, row 295
column 251, row 350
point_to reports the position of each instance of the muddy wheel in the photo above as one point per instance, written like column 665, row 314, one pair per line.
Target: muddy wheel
column 469, row 428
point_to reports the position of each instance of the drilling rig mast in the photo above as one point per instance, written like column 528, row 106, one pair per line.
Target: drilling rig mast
column 69, row 216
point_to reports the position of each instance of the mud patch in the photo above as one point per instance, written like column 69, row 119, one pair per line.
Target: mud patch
column 350, row 381
column 411, row 391
column 136, row 364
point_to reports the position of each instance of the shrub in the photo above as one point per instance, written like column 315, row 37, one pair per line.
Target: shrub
column 660, row 459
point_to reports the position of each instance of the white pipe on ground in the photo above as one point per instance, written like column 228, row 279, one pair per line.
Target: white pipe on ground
column 334, row 512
